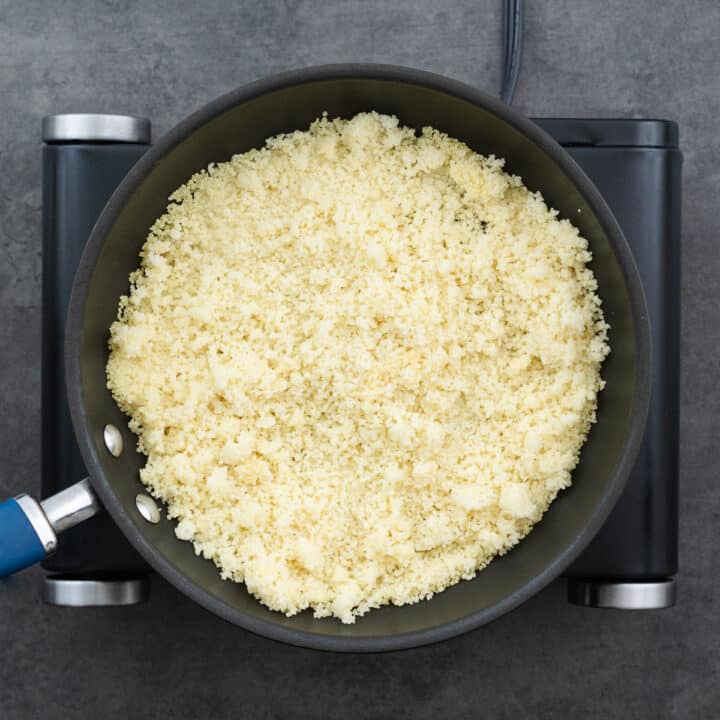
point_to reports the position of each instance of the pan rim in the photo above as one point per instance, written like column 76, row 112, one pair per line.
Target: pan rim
column 73, row 339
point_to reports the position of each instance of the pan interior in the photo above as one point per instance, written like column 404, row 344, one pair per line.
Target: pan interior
column 243, row 121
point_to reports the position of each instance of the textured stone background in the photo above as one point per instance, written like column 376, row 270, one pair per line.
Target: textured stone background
column 170, row 659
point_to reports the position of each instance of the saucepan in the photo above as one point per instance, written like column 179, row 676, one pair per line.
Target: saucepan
column 235, row 123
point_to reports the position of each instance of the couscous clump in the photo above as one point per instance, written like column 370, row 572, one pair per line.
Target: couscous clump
column 361, row 362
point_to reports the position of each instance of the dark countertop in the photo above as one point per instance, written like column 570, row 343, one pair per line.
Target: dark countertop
column 170, row 659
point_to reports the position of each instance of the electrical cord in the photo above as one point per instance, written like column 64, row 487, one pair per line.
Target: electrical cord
column 513, row 23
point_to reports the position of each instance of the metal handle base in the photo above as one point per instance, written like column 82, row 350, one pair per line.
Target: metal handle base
column 620, row 595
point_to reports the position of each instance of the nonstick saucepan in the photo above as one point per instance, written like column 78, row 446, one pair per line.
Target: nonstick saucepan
column 242, row 120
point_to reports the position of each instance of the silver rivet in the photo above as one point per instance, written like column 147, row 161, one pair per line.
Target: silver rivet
column 147, row 508
column 113, row 440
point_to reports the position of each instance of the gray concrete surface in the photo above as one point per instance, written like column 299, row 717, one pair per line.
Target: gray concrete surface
column 170, row 659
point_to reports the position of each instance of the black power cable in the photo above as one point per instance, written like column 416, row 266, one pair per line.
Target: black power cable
column 513, row 23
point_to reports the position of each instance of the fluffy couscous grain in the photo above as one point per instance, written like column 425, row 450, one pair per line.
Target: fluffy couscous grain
column 361, row 363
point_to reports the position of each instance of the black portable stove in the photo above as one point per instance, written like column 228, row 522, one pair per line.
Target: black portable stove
column 635, row 164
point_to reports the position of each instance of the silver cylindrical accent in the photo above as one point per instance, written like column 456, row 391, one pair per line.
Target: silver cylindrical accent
column 71, row 506
column 78, row 592
column 37, row 517
column 95, row 127
column 623, row 595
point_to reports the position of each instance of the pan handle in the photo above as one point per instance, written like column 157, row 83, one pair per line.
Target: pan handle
column 29, row 529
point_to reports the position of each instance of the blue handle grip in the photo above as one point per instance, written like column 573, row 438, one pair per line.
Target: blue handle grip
column 20, row 545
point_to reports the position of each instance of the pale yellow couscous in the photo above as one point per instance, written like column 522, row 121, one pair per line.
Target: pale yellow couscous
column 361, row 363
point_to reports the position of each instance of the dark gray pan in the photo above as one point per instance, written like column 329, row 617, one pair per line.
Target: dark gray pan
column 243, row 119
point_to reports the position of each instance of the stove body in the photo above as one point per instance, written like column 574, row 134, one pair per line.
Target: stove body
column 635, row 164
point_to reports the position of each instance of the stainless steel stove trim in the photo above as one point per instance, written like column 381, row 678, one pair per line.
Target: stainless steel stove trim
column 95, row 127
column 623, row 595
column 74, row 592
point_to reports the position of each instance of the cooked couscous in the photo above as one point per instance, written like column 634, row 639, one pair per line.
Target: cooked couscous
column 361, row 363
